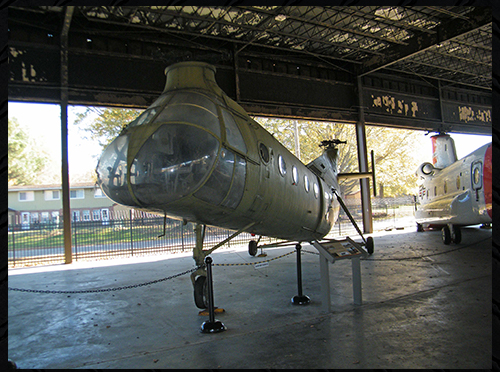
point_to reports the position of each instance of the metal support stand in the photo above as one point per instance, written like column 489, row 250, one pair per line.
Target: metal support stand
column 212, row 325
column 300, row 299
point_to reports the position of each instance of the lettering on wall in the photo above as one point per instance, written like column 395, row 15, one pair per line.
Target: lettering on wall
column 394, row 106
column 468, row 114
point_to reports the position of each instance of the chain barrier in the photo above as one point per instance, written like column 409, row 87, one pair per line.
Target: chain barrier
column 141, row 284
column 105, row 289
column 255, row 263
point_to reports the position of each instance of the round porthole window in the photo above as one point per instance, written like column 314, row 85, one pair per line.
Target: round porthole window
column 295, row 175
column 281, row 165
column 264, row 153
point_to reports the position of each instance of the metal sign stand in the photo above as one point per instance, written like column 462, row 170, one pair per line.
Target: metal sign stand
column 331, row 251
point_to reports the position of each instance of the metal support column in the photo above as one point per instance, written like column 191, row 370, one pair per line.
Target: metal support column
column 64, row 136
column 366, row 205
column 236, row 75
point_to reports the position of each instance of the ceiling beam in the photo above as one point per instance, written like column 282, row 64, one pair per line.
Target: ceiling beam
column 479, row 17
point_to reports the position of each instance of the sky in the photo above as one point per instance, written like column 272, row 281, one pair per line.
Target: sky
column 43, row 123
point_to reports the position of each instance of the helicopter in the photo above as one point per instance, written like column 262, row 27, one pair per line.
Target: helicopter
column 196, row 155
column 454, row 192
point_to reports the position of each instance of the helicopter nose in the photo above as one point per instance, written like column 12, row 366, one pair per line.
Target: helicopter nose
column 172, row 163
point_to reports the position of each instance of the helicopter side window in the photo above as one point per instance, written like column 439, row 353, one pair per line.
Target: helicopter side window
column 281, row 165
column 477, row 168
column 295, row 175
column 316, row 190
column 264, row 153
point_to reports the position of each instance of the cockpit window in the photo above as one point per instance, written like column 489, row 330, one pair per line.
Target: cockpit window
column 236, row 193
column 217, row 186
column 162, row 100
column 192, row 108
column 233, row 134
column 144, row 118
column 112, row 171
column 172, row 163
column 222, row 187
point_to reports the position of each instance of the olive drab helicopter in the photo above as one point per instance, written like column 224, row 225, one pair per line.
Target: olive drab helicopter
column 196, row 155
column 454, row 193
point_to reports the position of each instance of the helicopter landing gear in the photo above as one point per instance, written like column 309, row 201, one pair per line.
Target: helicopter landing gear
column 252, row 247
column 451, row 233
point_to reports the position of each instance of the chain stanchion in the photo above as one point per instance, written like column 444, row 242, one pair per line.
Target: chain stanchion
column 300, row 298
column 212, row 325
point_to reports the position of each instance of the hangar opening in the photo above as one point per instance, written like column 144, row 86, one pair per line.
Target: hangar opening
column 297, row 70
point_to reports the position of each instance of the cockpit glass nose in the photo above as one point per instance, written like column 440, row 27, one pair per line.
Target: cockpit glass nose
column 112, row 171
column 172, row 163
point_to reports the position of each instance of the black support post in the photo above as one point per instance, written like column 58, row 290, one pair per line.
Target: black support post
column 300, row 299
column 211, row 325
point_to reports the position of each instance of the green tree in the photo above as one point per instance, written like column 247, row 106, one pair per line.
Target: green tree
column 27, row 161
column 395, row 150
column 103, row 124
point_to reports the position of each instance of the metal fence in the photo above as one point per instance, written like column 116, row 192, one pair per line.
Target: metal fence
column 42, row 243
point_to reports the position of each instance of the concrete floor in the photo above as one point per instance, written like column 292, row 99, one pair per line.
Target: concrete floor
column 425, row 305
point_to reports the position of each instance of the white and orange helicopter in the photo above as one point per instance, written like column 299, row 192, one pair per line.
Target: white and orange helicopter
column 454, row 193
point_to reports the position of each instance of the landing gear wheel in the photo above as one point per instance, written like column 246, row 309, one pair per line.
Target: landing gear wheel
column 420, row 228
column 457, row 235
column 369, row 245
column 252, row 247
column 446, row 235
column 201, row 292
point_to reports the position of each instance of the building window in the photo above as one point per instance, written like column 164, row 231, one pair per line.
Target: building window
column 76, row 216
column 25, row 220
column 52, row 195
column 76, row 194
column 26, row 196
column 34, row 218
column 86, row 215
column 98, row 193
column 96, row 215
column 45, row 217
column 55, row 217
